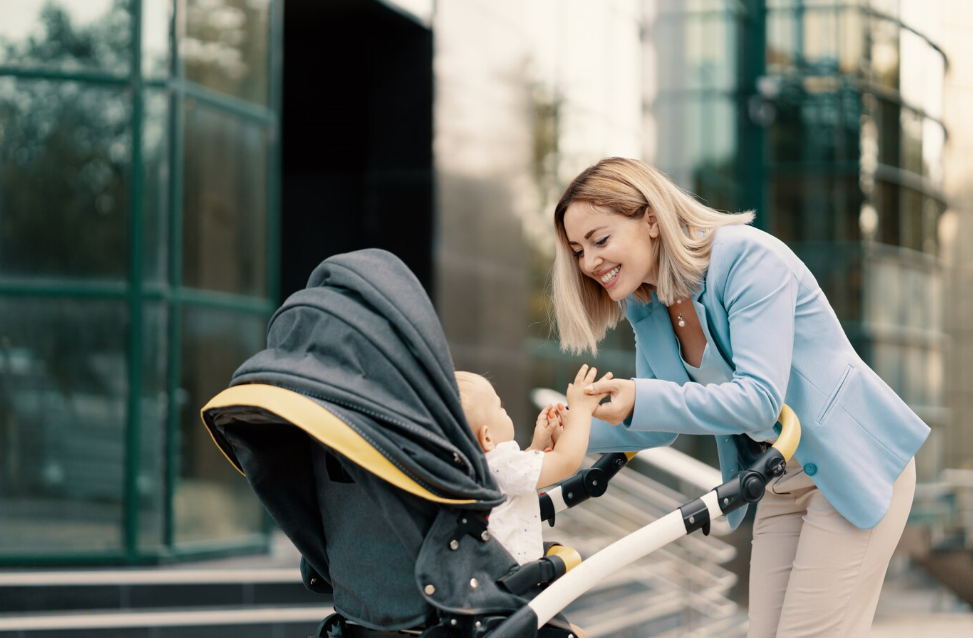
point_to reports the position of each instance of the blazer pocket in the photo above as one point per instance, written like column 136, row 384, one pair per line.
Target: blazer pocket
column 833, row 399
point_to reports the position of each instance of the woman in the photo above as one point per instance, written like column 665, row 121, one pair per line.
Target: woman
column 729, row 326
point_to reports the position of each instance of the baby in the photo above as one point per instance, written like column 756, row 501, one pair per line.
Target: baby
column 559, row 444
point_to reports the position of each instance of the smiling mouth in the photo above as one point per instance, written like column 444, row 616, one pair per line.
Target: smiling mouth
column 609, row 278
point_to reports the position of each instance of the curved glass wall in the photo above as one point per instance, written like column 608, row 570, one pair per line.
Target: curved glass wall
column 826, row 117
column 138, row 177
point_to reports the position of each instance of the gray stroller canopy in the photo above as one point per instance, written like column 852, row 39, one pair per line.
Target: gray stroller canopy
column 364, row 339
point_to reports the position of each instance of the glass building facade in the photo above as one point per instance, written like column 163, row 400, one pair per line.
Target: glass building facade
column 826, row 119
column 139, row 145
column 158, row 199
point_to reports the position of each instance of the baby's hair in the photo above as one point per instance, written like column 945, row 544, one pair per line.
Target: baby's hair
column 466, row 382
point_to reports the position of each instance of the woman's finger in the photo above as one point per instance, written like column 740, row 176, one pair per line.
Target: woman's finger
column 602, row 386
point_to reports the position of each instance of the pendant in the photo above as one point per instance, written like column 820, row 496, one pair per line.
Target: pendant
column 682, row 323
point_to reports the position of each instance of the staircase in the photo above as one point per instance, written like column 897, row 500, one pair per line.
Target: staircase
column 267, row 602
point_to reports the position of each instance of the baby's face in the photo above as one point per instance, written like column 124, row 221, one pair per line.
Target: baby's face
column 487, row 407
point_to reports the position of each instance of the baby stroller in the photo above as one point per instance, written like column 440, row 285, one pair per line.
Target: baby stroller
column 350, row 431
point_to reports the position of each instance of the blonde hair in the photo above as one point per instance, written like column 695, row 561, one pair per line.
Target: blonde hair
column 582, row 310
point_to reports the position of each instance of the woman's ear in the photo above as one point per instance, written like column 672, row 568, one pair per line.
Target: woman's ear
column 653, row 224
column 483, row 436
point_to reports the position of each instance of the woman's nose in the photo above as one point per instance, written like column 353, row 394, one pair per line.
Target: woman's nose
column 591, row 263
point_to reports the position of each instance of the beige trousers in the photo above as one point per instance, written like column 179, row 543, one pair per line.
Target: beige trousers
column 812, row 573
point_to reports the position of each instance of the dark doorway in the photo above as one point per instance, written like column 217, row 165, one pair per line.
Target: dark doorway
column 357, row 136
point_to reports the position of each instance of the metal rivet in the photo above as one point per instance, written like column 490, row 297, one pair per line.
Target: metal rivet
column 478, row 624
column 570, row 494
column 453, row 622
column 594, row 482
column 485, row 535
column 464, row 521
column 474, row 583
column 726, row 501
column 454, row 544
column 692, row 519
column 430, row 590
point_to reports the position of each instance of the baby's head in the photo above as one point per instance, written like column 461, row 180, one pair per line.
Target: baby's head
column 484, row 411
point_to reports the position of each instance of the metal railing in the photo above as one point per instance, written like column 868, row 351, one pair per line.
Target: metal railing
column 679, row 590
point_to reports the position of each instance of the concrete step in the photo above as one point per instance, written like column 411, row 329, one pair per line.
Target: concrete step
column 228, row 622
column 145, row 589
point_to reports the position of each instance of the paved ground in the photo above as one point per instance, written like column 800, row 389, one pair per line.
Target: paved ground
column 913, row 605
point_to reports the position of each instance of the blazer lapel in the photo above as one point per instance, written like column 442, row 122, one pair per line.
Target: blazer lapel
column 711, row 343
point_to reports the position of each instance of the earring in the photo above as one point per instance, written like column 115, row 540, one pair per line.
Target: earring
column 682, row 323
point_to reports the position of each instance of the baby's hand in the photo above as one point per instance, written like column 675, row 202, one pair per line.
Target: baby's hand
column 577, row 398
column 546, row 429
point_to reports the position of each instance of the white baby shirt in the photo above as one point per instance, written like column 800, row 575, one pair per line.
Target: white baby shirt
column 516, row 523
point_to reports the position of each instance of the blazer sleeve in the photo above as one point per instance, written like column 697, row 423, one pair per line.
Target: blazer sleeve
column 629, row 435
column 758, row 291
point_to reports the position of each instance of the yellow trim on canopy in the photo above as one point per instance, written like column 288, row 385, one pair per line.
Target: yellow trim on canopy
column 311, row 417
column 790, row 433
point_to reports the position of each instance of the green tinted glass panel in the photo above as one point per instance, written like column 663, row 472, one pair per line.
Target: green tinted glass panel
column 884, row 52
column 815, row 209
column 886, row 201
column 63, row 407
column 225, row 46
column 910, row 218
column 888, row 120
column 151, row 481
column 224, row 202
column 64, row 179
column 816, row 127
column 66, row 34
column 838, row 270
column 156, row 24
column 212, row 500
column 819, row 33
column 782, row 42
column 155, row 185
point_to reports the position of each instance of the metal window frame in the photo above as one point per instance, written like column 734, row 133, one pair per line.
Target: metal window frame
column 174, row 296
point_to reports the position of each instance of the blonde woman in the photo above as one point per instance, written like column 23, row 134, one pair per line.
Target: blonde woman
column 730, row 325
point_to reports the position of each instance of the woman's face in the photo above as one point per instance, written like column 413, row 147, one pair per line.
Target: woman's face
column 618, row 252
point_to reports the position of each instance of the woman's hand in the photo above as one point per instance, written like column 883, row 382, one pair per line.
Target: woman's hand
column 621, row 402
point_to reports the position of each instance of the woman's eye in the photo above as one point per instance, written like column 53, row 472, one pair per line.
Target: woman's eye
column 602, row 241
column 578, row 253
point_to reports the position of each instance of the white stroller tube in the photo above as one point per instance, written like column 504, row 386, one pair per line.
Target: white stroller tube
column 589, row 573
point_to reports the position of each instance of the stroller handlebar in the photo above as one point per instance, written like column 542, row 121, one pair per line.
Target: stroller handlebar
column 593, row 481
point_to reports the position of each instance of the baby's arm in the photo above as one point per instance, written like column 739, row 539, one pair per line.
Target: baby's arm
column 565, row 459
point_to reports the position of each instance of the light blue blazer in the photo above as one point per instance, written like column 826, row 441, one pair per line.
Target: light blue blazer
column 763, row 311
